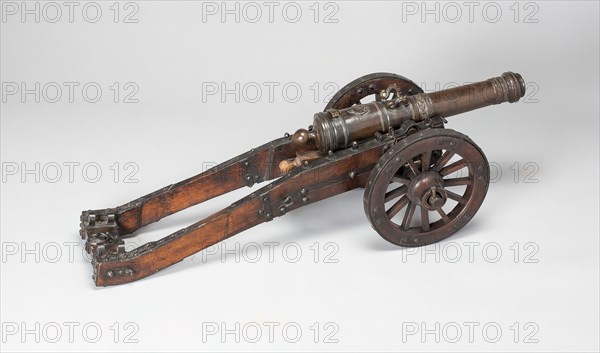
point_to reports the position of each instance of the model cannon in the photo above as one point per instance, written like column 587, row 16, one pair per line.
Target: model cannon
column 422, row 182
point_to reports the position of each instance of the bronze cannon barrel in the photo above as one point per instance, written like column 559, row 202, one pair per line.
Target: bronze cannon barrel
column 509, row 87
column 336, row 129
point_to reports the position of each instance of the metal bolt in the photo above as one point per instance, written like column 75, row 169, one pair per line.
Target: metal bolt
column 282, row 210
column 110, row 274
column 286, row 135
column 330, row 153
column 352, row 174
column 354, row 144
column 303, row 191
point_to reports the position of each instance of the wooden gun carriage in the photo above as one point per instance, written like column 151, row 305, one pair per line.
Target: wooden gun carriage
column 422, row 182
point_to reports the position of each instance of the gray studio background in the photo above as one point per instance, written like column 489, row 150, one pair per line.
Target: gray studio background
column 522, row 276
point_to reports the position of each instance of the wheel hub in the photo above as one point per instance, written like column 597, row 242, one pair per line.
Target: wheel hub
column 427, row 190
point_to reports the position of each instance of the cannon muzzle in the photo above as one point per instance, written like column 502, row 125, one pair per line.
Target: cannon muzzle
column 336, row 129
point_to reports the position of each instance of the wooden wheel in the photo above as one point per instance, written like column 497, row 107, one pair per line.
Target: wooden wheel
column 415, row 196
column 371, row 85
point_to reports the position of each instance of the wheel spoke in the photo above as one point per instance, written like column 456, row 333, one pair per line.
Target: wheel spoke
column 443, row 214
column 454, row 167
column 397, row 207
column 457, row 182
column 410, row 211
column 425, row 218
column 390, row 195
column 400, row 179
column 456, row 197
column 445, row 158
column 425, row 160
column 413, row 167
